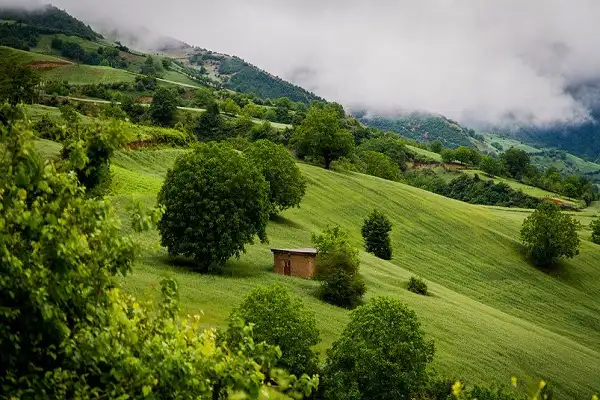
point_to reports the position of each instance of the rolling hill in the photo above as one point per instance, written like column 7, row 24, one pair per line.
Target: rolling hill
column 492, row 315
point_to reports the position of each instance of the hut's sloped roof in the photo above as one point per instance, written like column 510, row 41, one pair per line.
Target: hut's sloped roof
column 307, row 251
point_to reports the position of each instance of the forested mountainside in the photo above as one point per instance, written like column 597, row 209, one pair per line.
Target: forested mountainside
column 423, row 128
column 47, row 19
column 240, row 76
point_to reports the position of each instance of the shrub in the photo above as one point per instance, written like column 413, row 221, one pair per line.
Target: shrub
column 281, row 319
column 548, row 234
column 376, row 233
column 215, row 202
column 381, row 354
column 595, row 227
column 67, row 331
column 337, row 268
column 286, row 183
column 417, row 285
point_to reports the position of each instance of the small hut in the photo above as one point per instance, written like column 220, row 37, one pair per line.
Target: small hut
column 295, row 262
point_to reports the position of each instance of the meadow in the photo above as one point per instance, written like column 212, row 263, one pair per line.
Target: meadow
column 492, row 315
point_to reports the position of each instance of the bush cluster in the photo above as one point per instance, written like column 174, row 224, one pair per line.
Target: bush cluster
column 67, row 331
column 337, row 269
column 417, row 285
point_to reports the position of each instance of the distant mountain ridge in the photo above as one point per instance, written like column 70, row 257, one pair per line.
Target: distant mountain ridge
column 51, row 18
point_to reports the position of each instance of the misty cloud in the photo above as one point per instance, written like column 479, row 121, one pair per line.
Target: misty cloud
column 469, row 60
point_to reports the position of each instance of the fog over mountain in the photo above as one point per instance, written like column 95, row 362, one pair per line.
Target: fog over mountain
column 476, row 61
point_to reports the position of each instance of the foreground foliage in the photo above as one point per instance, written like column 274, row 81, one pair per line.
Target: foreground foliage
column 66, row 331
column 281, row 319
column 216, row 202
column 549, row 234
column 381, row 354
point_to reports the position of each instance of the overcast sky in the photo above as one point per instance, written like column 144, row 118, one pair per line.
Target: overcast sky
column 466, row 59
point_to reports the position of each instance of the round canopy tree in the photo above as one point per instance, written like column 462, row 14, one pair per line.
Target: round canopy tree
column 279, row 318
column 381, row 354
column 215, row 203
column 287, row 185
column 548, row 234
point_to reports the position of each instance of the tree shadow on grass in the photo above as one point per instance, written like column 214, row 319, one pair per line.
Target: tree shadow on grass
column 558, row 269
column 233, row 268
column 279, row 220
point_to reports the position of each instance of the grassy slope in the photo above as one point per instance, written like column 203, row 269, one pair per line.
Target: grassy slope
column 428, row 154
column 88, row 74
column 175, row 76
column 492, row 315
column 44, row 44
column 75, row 74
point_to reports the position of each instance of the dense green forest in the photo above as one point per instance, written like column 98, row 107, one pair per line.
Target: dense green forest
column 51, row 18
column 582, row 140
column 246, row 78
column 423, row 128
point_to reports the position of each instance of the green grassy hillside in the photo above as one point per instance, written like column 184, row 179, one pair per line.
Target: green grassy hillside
column 58, row 69
column 492, row 315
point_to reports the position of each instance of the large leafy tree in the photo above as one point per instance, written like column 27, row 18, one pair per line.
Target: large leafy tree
column 216, row 201
column 163, row 110
column 322, row 137
column 281, row 319
column 549, row 234
column 376, row 234
column 381, row 354
column 286, row 183
column 516, row 162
